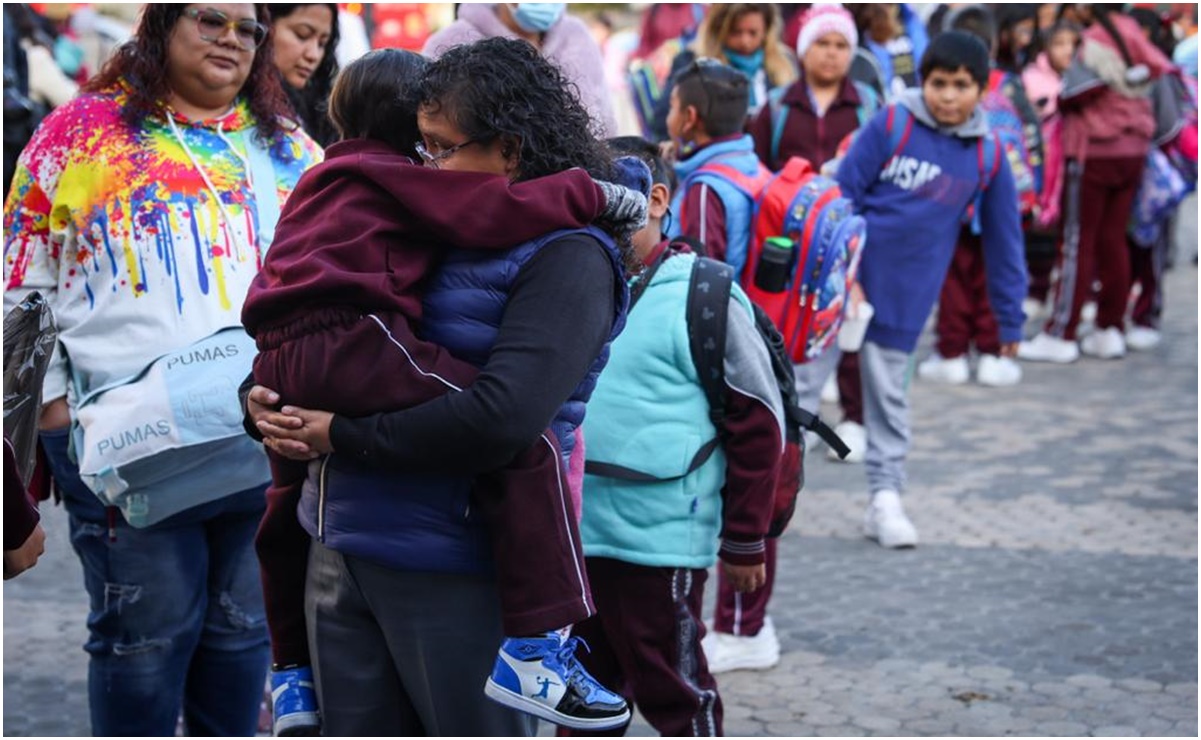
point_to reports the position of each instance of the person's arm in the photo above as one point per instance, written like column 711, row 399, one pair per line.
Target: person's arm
column 703, row 217
column 31, row 261
column 753, row 440
column 1004, row 254
column 23, row 536
column 462, row 209
column 542, row 352
column 860, row 169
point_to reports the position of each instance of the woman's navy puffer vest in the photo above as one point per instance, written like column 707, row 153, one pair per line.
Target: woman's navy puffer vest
column 424, row 521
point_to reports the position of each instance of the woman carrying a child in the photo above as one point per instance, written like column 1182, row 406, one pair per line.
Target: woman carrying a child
column 404, row 592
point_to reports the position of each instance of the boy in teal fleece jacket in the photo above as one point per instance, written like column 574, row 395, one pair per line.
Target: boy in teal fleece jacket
column 648, row 543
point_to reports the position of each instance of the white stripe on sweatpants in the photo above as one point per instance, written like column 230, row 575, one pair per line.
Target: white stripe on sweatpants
column 704, row 724
column 1065, row 292
column 563, row 508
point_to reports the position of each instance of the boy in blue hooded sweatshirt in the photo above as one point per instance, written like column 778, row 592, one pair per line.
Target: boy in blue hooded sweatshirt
column 720, row 175
column 913, row 174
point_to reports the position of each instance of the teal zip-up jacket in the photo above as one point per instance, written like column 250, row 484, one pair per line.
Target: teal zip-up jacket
column 649, row 414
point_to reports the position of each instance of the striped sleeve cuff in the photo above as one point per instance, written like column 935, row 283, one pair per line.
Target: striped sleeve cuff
column 743, row 553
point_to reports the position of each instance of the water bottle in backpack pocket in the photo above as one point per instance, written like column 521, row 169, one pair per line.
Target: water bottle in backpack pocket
column 808, row 210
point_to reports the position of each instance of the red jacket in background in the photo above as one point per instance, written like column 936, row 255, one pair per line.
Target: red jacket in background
column 1112, row 121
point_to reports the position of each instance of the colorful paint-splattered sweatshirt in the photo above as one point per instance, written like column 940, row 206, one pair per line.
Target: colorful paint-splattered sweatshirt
column 144, row 239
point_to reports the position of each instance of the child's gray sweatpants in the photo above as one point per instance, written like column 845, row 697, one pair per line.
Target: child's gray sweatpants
column 884, row 374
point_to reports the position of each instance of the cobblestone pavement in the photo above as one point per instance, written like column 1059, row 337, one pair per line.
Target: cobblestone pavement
column 1054, row 591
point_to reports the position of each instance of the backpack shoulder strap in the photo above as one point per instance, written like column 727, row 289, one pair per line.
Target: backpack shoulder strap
column 750, row 185
column 779, row 118
column 707, row 315
column 869, row 103
column 899, row 126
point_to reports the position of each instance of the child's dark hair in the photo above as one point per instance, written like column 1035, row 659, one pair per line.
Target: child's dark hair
column 952, row 51
column 720, row 94
column 976, row 20
column 375, row 97
column 636, row 146
column 504, row 89
column 1158, row 28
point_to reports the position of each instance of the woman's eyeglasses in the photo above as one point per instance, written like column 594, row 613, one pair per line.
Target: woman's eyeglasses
column 432, row 160
column 213, row 24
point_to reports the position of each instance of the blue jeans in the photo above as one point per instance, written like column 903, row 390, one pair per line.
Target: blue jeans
column 176, row 614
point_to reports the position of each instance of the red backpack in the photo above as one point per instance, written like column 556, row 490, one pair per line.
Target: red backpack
column 815, row 241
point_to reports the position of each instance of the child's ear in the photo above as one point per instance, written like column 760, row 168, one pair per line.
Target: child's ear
column 659, row 201
column 690, row 120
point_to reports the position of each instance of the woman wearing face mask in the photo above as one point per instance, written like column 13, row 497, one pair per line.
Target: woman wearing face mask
column 164, row 178
column 559, row 37
column 745, row 36
column 304, row 39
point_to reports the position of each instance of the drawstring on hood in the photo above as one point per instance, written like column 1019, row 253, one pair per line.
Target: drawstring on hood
column 227, row 226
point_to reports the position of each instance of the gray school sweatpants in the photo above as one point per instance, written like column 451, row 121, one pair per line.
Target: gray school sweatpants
column 399, row 653
column 884, row 373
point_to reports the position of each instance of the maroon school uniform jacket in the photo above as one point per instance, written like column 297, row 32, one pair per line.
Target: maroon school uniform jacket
column 367, row 226
column 805, row 134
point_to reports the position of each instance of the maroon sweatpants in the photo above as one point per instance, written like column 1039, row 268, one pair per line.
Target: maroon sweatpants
column 850, row 389
column 964, row 316
column 1096, row 211
column 645, row 644
column 338, row 360
column 1146, row 271
column 743, row 614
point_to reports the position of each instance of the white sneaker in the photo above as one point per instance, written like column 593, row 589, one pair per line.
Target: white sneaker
column 996, row 371
column 947, row 370
column 830, row 390
column 855, row 437
column 1141, row 338
column 726, row 652
column 886, row 523
column 1046, row 348
column 1107, row 344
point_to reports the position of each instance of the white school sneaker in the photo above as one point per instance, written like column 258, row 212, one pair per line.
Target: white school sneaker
column 855, row 437
column 1142, row 338
column 726, row 652
column 946, row 370
column 886, row 523
column 1106, row 344
column 1046, row 348
column 997, row 371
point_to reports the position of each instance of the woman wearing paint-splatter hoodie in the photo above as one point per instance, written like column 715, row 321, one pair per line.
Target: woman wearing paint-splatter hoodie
column 912, row 172
column 133, row 211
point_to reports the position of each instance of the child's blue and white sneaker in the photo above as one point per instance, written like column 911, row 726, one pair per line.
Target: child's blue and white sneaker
column 542, row 676
column 294, row 703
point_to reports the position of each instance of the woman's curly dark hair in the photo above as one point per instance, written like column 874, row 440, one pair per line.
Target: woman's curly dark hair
column 311, row 102
column 141, row 64
column 503, row 88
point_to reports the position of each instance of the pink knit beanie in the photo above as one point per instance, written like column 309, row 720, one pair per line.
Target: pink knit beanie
column 823, row 18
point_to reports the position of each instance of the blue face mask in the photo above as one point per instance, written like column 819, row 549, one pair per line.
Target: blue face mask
column 748, row 64
column 537, row 17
